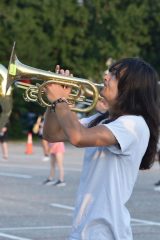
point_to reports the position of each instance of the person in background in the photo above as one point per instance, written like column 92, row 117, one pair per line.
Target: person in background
column 38, row 129
column 56, row 159
column 3, row 141
column 117, row 144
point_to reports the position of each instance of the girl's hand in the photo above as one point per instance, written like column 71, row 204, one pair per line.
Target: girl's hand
column 102, row 106
column 56, row 91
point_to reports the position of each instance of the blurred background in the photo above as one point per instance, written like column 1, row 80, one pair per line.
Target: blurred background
column 84, row 36
column 80, row 35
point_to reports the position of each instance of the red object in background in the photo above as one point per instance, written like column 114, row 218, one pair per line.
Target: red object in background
column 26, row 81
column 29, row 145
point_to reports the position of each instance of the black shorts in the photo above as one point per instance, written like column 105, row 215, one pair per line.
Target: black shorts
column 3, row 138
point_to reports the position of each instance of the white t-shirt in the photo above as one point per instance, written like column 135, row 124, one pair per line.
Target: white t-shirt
column 107, row 180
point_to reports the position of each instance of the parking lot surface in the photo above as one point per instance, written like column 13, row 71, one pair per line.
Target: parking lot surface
column 30, row 210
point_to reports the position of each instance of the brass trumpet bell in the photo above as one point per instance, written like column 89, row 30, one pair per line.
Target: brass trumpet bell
column 3, row 82
column 82, row 90
column 5, row 98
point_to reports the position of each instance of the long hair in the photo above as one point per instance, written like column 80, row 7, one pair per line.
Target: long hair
column 138, row 95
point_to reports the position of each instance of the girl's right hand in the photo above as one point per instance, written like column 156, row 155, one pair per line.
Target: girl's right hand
column 102, row 106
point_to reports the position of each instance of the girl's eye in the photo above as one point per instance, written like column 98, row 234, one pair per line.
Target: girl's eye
column 112, row 76
column 113, row 71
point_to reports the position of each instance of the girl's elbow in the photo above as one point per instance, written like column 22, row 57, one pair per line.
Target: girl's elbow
column 75, row 140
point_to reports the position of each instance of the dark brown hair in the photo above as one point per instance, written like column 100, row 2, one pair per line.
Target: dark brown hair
column 137, row 95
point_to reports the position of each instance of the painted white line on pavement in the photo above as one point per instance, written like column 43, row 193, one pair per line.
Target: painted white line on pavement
column 15, row 175
column 145, row 222
column 137, row 221
column 33, row 228
column 61, row 206
column 137, row 224
column 12, row 237
column 66, row 227
column 47, row 228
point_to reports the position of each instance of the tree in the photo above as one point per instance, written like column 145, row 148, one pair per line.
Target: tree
column 79, row 35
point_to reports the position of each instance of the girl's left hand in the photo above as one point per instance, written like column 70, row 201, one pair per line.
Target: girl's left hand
column 102, row 106
column 56, row 91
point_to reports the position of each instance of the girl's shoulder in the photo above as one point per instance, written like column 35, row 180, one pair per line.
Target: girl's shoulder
column 134, row 121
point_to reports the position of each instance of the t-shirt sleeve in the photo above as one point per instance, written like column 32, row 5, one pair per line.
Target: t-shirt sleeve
column 85, row 121
column 125, row 131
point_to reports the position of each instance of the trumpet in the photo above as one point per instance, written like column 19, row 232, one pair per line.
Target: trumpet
column 82, row 90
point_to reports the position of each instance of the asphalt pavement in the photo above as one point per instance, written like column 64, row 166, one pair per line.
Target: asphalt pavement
column 30, row 210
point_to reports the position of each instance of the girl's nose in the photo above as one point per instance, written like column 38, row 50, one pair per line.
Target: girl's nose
column 107, row 78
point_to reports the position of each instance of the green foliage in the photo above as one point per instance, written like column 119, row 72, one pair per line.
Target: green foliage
column 79, row 35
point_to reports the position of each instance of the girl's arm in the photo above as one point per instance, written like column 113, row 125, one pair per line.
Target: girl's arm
column 52, row 131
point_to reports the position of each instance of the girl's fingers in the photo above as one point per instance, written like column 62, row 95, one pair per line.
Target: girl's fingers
column 67, row 72
column 61, row 71
column 57, row 69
